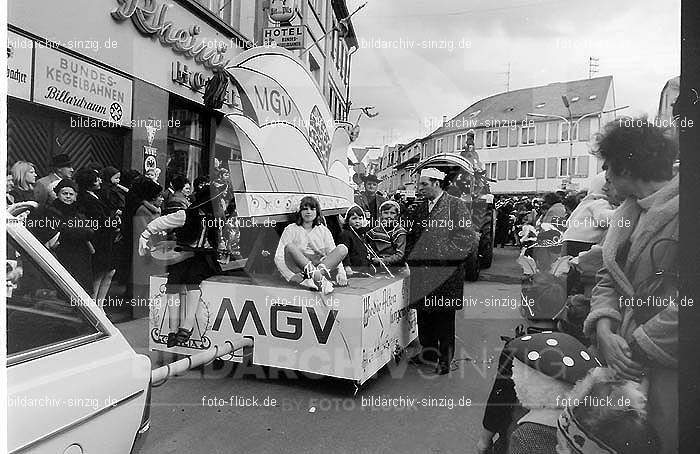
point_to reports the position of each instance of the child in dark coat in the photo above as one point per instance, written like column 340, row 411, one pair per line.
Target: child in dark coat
column 388, row 239
column 352, row 236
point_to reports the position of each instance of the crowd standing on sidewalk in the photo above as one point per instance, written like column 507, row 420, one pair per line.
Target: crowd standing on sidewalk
column 619, row 317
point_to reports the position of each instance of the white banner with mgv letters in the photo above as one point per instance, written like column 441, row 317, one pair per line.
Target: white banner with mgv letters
column 67, row 83
column 350, row 333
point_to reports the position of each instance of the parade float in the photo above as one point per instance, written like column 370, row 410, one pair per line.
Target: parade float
column 290, row 147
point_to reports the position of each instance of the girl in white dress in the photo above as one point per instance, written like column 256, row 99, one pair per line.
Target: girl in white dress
column 307, row 255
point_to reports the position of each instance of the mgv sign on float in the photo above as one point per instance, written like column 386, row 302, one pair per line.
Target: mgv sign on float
column 68, row 83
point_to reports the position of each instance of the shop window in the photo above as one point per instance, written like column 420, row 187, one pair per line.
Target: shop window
column 186, row 124
column 187, row 141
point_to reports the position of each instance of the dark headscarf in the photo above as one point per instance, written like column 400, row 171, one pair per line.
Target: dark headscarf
column 107, row 174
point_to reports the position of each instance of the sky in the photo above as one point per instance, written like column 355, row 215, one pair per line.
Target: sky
column 421, row 59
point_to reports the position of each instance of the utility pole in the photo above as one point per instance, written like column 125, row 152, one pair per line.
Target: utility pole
column 592, row 66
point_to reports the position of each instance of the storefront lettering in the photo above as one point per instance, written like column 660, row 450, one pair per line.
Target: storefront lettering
column 149, row 19
column 275, row 100
column 295, row 322
column 65, row 97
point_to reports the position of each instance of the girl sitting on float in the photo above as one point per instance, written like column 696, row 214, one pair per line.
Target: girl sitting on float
column 352, row 236
column 306, row 254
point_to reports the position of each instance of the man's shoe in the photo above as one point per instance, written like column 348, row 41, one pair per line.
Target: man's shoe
column 442, row 369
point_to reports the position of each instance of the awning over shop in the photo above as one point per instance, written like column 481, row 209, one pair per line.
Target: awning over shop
column 290, row 145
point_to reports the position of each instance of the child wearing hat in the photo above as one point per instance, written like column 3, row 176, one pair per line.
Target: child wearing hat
column 546, row 366
column 388, row 239
column 605, row 414
column 589, row 222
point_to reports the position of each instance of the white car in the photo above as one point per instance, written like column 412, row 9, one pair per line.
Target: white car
column 74, row 383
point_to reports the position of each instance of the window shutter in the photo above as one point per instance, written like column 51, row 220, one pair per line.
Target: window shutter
column 584, row 129
column 539, row 168
column 541, row 133
column 552, row 164
column 479, row 139
column 513, row 137
column 582, row 163
column 553, row 136
column 512, row 169
column 503, row 137
column 502, row 170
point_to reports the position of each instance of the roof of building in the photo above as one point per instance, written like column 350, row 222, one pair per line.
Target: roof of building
column 409, row 144
column 585, row 96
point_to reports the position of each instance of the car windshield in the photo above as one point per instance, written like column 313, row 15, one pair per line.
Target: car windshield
column 41, row 317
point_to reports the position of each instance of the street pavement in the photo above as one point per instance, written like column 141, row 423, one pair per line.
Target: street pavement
column 251, row 409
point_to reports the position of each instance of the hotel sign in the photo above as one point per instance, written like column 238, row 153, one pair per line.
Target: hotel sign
column 67, row 83
column 291, row 38
column 19, row 66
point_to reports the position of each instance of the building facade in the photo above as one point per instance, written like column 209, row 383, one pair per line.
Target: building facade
column 528, row 154
column 327, row 50
column 116, row 84
column 122, row 85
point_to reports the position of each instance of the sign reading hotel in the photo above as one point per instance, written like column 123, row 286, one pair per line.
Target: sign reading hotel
column 68, row 83
column 291, row 38
column 19, row 66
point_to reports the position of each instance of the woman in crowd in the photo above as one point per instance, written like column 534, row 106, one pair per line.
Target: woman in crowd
column 97, row 211
column 641, row 340
column 68, row 234
column 151, row 195
column 307, row 253
column 23, row 179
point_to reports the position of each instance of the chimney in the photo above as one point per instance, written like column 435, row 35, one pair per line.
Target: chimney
column 444, row 119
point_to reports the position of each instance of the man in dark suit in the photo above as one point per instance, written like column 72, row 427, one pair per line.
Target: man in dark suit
column 370, row 200
column 439, row 240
